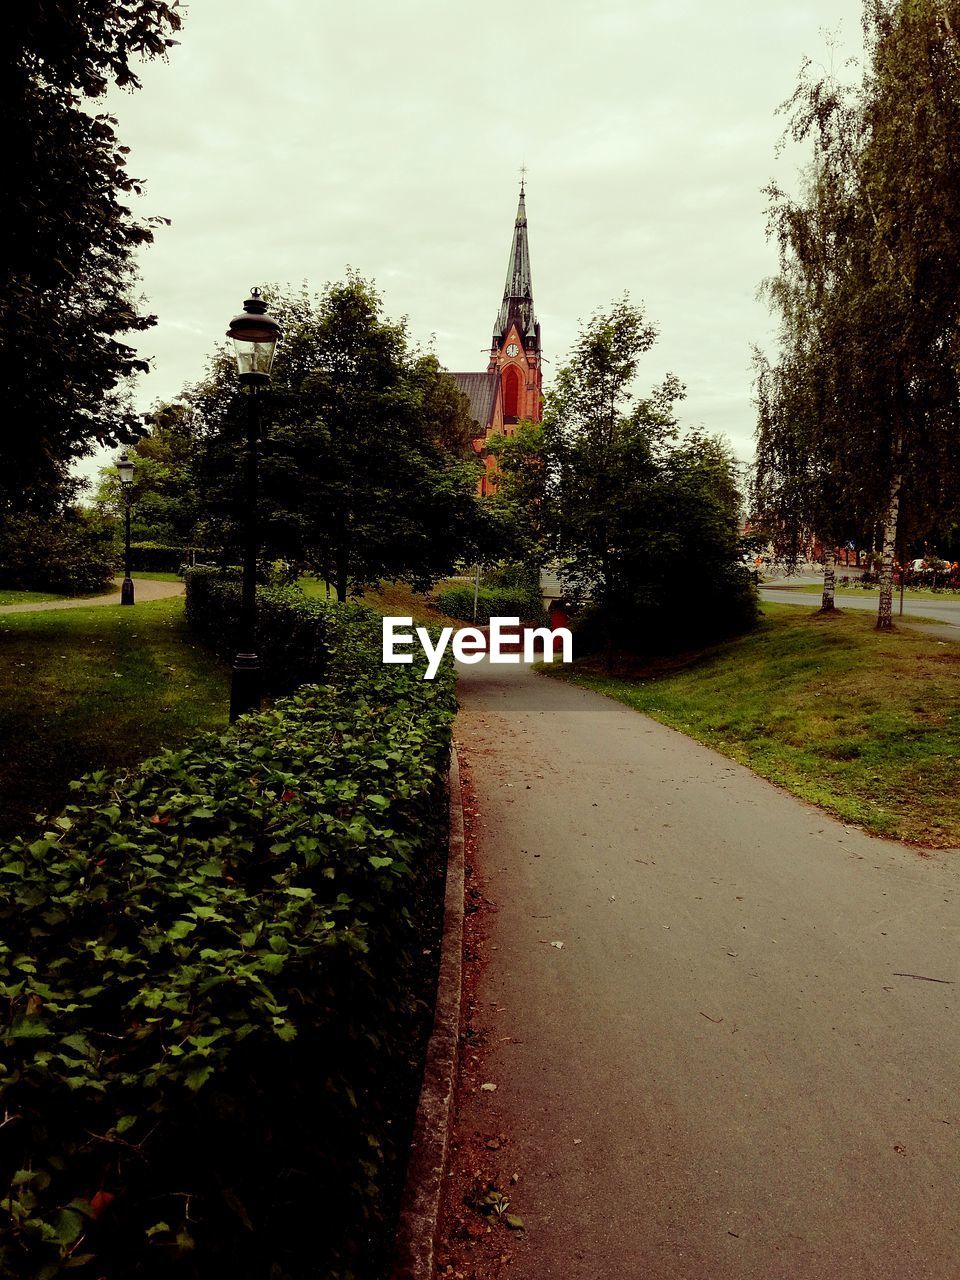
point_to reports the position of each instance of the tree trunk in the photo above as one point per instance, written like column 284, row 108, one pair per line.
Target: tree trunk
column 607, row 610
column 341, row 566
column 827, row 604
column 885, row 612
column 341, row 583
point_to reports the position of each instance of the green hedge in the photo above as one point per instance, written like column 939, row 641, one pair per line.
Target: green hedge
column 157, row 557
column 492, row 602
column 208, row 968
column 297, row 639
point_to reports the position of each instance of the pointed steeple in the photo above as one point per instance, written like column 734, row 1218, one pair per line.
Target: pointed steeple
column 517, row 302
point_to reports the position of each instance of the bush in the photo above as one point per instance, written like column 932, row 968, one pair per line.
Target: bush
column 492, row 602
column 522, row 577
column 60, row 553
column 208, row 967
column 297, row 639
column 687, row 613
column 156, row 557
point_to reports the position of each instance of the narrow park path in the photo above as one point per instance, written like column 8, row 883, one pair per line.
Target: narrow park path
column 743, row 1063
column 144, row 589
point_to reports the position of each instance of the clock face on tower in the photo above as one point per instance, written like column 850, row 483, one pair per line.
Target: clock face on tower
column 513, row 349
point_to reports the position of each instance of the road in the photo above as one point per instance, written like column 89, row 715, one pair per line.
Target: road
column 944, row 611
column 720, row 1074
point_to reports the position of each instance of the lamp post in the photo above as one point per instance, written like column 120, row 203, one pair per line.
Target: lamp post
column 255, row 335
column 125, row 471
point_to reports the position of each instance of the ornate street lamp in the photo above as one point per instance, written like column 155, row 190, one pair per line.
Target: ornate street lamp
column 255, row 335
column 125, row 471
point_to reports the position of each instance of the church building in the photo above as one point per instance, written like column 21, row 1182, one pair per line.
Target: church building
column 510, row 390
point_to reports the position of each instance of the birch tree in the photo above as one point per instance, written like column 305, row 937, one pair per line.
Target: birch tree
column 875, row 244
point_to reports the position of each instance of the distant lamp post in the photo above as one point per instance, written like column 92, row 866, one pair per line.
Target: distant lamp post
column 125, row 471
column 255, row 335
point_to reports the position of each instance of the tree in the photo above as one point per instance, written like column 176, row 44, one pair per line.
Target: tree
column 518, row 505
column 877, row 254
column 367, row 472
column 645, row 524
column 166, row 504
column 66, row 305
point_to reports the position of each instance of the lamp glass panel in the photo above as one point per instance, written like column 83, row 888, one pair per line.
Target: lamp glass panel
column 254, row 357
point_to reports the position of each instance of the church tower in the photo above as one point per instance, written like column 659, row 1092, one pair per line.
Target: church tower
column 515, row 350
column 510, row 389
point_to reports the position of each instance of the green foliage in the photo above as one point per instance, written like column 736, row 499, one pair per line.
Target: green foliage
column 66, row 303
column 492, row 602
column 518, row 506
column 860, row 411
column 165, row 504
column 366, row 473
column 60, row 553
column 207, row 969
column 298, row 638
column 156, row 557
column 644, row 525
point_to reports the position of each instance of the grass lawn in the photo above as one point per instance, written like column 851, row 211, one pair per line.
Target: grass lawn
column 30, row 597
column 868, row 593
column 155, row 577
column 864, row 723
column 82, row 689
column 394, row 599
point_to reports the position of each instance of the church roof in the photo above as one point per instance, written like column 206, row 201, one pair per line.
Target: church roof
column 481, row 390
column 518, row 291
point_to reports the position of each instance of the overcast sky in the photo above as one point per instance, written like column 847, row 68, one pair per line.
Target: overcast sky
column 287, row 139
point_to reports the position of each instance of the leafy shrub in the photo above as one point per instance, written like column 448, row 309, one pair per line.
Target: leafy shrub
column 685, row 613
column 492, row 602
column 297, row 639
column 207, row 967
column 520, row 576
column 60, row 553
column 157, row 557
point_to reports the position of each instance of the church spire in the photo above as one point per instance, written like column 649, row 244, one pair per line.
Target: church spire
column 517, row 302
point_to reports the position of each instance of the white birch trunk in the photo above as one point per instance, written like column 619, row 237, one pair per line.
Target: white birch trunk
column 885, row 612
column 827, row 604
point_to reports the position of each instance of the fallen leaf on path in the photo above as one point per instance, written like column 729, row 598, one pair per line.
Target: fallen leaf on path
column 488, row 1087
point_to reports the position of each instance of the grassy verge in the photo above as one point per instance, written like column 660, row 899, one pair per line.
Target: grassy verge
column 156, row 577
column 863, row 723
column 867, row 593
column 30, row 597
column 393, row 599
column 84, row 689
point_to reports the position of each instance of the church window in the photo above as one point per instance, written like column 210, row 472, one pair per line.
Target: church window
column 511, row 393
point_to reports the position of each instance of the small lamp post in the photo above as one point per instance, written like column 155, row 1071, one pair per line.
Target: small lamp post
column 125, row 471
column 255, row 335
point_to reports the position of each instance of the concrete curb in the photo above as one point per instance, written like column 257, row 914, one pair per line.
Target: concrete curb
column 420, row 1205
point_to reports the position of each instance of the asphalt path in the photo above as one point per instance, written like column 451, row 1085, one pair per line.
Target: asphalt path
column 743, row 1061
column 143, row 589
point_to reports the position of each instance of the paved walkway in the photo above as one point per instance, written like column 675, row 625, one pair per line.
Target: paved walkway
column 143, row 588
column 726, row 1072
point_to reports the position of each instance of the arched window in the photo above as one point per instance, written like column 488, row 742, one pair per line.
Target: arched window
column 511, row 392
